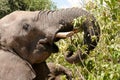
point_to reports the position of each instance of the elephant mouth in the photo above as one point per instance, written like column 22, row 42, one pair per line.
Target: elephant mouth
column 62, row 35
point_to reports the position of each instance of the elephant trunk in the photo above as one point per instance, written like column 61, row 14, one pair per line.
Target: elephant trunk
column 91, row 31
column 74, row 58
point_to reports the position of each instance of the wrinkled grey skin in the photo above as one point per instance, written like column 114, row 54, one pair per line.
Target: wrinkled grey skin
column 28, row 37
column 51, row 71
column 57, row 70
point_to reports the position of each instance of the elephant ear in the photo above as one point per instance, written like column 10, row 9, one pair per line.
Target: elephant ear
column 14, row 68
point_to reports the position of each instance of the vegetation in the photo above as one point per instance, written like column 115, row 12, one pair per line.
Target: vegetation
column 8, row 6
column 103, row 63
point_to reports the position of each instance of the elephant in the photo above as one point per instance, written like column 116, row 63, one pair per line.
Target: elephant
column 27, row 39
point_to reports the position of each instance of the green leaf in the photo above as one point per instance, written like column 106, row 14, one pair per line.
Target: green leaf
column 101, row 2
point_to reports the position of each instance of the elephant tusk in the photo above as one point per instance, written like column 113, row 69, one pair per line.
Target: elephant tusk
column 64, row 35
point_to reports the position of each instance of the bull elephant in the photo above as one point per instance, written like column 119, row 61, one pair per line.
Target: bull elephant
column 27, row 40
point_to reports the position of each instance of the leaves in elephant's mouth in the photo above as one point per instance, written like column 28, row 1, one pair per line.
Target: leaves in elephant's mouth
column 76, row 41
column 77, row 22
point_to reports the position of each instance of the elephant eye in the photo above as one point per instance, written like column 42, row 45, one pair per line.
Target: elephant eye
column 26, row 27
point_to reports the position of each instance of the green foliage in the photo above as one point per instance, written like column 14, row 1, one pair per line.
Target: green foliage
column 4, row 8
column 78, row 22
column 7, row 6
column 103, row 63
column 40, row 4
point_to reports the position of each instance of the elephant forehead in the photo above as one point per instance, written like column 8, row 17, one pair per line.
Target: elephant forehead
column 18, row 15
column 23, row 13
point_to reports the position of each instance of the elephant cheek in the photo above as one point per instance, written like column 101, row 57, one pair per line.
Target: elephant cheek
column 6, row 41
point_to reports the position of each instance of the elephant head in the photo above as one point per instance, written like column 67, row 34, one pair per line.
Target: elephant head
column 21, row 34
column 31, row 34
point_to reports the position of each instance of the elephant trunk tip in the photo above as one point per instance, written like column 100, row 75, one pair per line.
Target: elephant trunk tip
column 69, row 54
column 74, row 58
